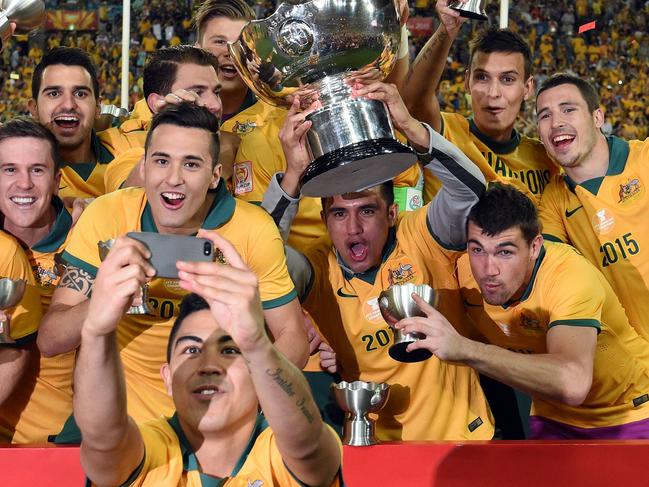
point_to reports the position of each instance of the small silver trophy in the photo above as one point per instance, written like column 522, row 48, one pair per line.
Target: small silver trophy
column 311, row 48
column 27, row 14
column 11, row 292
column 396, row 303
column 358, row 399
column 473, row 9
column 139, row 305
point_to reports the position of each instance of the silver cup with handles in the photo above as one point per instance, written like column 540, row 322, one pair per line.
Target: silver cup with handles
column 11, row 292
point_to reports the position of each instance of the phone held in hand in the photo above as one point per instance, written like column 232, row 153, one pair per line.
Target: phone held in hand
column 166, row 250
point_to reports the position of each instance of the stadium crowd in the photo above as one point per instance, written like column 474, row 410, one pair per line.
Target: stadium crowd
column 522, row 205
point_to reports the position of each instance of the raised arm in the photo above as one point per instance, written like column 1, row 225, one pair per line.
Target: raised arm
column 112, row 446
column 308, row 447
column 420, row 89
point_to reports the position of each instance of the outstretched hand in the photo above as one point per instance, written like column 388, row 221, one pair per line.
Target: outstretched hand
column 232, row 292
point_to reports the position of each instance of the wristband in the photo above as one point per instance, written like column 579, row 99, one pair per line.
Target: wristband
column 403, row 47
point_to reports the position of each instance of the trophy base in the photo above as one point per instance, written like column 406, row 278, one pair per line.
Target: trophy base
column 356, row 167
column 468, row 14
column 398, row 352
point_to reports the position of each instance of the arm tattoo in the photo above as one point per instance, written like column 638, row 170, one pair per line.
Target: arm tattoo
column 77, row 279
column 287, row 387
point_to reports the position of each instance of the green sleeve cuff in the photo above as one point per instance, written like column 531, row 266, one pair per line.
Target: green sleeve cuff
column 587, row 322
column 281, row 301
column 72, row 260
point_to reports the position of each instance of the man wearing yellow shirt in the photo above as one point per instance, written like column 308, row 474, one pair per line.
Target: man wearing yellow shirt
column 182, row 193
column 65, row 99
column 220, row 369
column 600, row 204
column 374, row 249
column 499, row 80
column 551, row 325
column 16, row 358
column 32, row 213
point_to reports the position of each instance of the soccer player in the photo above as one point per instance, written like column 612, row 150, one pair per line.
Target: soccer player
column 552, row 325
column 65, row 99
column 16, row 358
column 220, row 369
column 182, row 193
column 499, row 80
column 599, row 205
column 30, row 171
column 373, row 249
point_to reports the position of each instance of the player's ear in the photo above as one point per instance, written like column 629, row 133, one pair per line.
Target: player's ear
column 536, row 246
column 216, row 175
column 165, row 372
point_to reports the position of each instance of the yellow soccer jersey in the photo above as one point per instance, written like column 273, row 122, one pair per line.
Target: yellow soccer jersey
column 41, row 406
column 260, row 156
column 121, row 167
column 521, row 159
column 86, row 180
column 26, row 315
column 605, row 219
column 169, row 460
column 131, row 133
column 429, row 400
column 142, row 338
column 566, row 290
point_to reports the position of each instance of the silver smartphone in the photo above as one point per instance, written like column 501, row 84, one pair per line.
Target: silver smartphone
column 166, row 250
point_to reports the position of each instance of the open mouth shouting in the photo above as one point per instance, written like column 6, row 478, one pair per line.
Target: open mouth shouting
column 228, row 72
column 562, row 141
column 67, row 122
column 172, row 200
column 357, row 250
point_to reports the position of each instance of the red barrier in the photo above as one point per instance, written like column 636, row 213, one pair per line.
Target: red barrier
column 442, row 464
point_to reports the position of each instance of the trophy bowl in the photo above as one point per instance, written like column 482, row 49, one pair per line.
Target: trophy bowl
column 139, row 305
column 358, row 399
column 311, row 49
column 27, row 14
column 396, row 303
column 472, row 9
column 11, row 292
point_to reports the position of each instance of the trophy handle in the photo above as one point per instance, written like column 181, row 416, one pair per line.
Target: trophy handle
column 5, row 335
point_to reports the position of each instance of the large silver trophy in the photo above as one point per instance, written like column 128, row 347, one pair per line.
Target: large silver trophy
column 28, row 16
column 396, row 303
column 312, row 49
column 470, row 9
column 358, row 399
column 11, row 292
column 139, row 305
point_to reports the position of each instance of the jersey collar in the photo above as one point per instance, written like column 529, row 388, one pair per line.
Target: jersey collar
column 220, row 213
column 530, row 285
column 190, row 462
column 369, row 276
column 494, row 145
column 103, row 155
column 59, row 232
column 618, row 154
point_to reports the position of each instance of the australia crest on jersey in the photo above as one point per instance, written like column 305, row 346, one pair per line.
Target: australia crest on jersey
column 629, row 190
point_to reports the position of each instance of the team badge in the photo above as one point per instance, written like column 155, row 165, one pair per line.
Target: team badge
column 603, row 221
column 400, row 274
column 629, row 190
column 244, row 128
column 372, row 311
column 243, row 177
column 46, row 277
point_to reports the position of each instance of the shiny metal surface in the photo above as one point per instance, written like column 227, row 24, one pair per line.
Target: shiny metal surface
column 29, row 15
column 473, row 9
column 139, row 305
column 311, row 49
column 396, row 303
column 357, row 399
column 11, row 292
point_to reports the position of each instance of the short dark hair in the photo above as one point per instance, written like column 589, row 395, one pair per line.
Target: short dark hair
column 187, row 115
column 190, row 304
column 501, row 40
column 386, row 192
column 502, row 207
column 27, row 127
column 588, row 91
column 67, row 56
column 210, row 9
column 161, row 67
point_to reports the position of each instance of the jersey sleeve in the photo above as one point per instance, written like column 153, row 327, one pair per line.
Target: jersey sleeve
column 255, row 164
column 550, row 215
column 576, row 297
column 26, row 315
column 267, row 259
column 120, row 168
